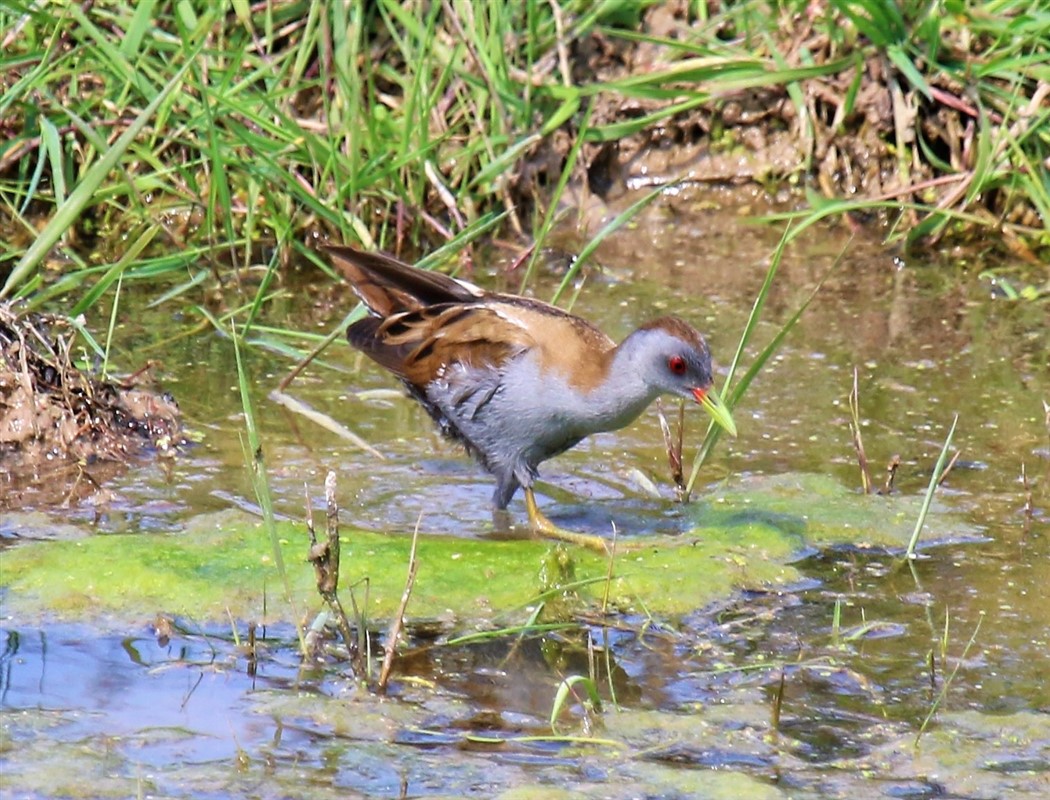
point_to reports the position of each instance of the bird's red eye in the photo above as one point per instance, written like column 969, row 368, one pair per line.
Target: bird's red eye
column 676, row 364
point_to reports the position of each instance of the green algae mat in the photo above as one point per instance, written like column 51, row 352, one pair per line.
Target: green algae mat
column 744, row 535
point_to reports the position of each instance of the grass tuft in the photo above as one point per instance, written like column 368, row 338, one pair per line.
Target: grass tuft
column 392, row 122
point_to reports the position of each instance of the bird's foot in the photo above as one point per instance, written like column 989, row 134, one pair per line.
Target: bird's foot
column 544, row 527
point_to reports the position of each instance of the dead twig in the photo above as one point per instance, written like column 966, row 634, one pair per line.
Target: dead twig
column 293, row 373
column 948, row 468
column 858, row 442
column 891, row 474
column 325, row 559
column 674, row 447
column 778, row 702
column 398, row 622
column 252, row 651
column 1028, row 507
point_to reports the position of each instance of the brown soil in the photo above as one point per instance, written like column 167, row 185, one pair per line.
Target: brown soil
column 61, row 429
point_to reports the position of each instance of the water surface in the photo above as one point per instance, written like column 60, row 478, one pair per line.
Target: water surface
column 852, row 660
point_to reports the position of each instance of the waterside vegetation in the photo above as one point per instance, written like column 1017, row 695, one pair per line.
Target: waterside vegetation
column 148, row 137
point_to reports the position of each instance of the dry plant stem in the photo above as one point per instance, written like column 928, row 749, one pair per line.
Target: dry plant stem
column 948, row 468
column 778, row 702
column 674, row 446
column 891, row 474
column 494, row 93
column 1046, row 410
column 563, row 50
column 678, row 444
column 332, row 534
column 305, row 362
column 131, row 380
column 443, row 192
column 253, row 651
column 400, row 226
column 904, row 115
column 439, row 228
column 609, row 574
column 521, row 257
column 959, row 193
column 1027, row 491
column 312, row 640
column 325, row 559
column 398, row 623
column 858, row 442
column 297, row 406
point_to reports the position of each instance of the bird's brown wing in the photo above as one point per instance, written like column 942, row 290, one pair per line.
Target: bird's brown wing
column 420, row 346
column 428, row 321
column 388, row 286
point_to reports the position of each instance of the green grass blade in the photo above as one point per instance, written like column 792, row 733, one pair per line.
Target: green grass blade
column 82, row 195
column 137, row 28
column 565, row 688
column 951, row 677
column 908, row 69
column 540, row 236
column 52, row 145
column 734, row 393
column 116, row 271
column 935, row 479
column 260, row 483
column 607, row 230
column 757, row 306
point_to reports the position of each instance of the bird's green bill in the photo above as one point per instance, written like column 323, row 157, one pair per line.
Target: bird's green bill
column 714, row 406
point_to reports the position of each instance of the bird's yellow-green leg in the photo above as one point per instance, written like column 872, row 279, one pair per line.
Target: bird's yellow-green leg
column 544, row 527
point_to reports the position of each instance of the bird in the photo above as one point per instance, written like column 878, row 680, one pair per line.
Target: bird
column 515, row 380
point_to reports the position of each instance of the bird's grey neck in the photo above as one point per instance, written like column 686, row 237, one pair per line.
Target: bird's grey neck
column 624, row 394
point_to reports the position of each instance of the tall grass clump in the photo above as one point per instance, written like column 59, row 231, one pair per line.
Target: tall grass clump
column 358, row 120
column 242, row 134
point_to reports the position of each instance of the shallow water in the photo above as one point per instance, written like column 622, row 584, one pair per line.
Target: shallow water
column 90, row 712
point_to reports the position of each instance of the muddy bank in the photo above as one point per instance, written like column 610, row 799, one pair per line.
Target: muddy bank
column 62, row 429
